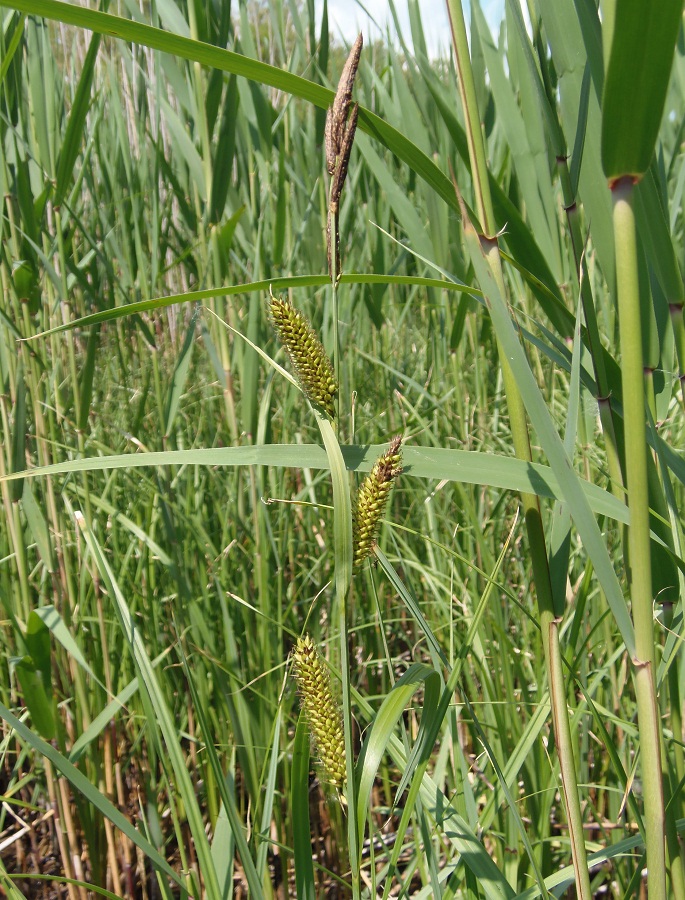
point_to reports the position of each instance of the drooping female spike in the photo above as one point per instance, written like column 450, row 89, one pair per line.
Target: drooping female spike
column 323, row 713
column 312, row 367
column 373, row 498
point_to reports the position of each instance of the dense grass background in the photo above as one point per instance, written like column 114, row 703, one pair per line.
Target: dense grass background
column 148, row 611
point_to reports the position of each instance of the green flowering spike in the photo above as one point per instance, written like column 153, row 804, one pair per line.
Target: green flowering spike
column 323, row 713
column 372, row 499
column 312, row 367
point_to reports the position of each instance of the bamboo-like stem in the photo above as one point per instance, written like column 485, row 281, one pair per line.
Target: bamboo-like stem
column 676, row 861
column 519, row 428
column 640, row 571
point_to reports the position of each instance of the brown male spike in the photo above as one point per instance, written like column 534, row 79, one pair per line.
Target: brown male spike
column 343, row 97
column 339, row 137
column 329, row 142
column 343, row 159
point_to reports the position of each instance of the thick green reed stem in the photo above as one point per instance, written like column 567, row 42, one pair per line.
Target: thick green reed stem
column 549, row 624
column 639, row 558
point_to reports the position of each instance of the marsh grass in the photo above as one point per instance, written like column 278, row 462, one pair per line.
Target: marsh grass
column 151, row 744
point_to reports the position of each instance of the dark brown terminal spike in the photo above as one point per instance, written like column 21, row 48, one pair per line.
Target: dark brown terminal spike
column 339, row 137
column 335, row 123
column 331, row 153
column 344, row 158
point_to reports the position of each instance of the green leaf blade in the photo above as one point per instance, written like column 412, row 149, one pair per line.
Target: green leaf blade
column 638, row 73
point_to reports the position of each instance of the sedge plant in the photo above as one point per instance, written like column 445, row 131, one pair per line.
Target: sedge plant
column 154, row 576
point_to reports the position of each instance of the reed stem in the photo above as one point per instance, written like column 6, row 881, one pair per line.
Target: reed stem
column 639, row 554
column 549, row 621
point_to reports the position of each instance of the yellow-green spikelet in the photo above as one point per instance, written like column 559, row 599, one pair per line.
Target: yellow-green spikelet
column 372, row 499
column 323, row 713
column 307, row 356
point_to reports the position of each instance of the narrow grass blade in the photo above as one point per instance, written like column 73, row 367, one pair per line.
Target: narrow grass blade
column 18, row 457
column 455, row 828
column 299, row 797
column 536, row 407
column 269, row 794
column 165, row 720
column 180, row 375
column 274, row 284
column 511, row 772
column 223, row 852
column 86, row 380
column 651, row 211
column 38, row 526
column 412, row 605
column 467, row 467
column 510, row 799
column 74, row 134
column 11, row 891
column 225, row 150
column 402, row 206
column 639, row 68
column 208, row 55
column 560, row 537
column 417, row 676
column 90, row 792
column 102, row 720
column 227, row 799
column 16, row 29
column 40, row 705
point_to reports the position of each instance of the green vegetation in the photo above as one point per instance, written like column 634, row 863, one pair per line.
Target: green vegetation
column 492, row 670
